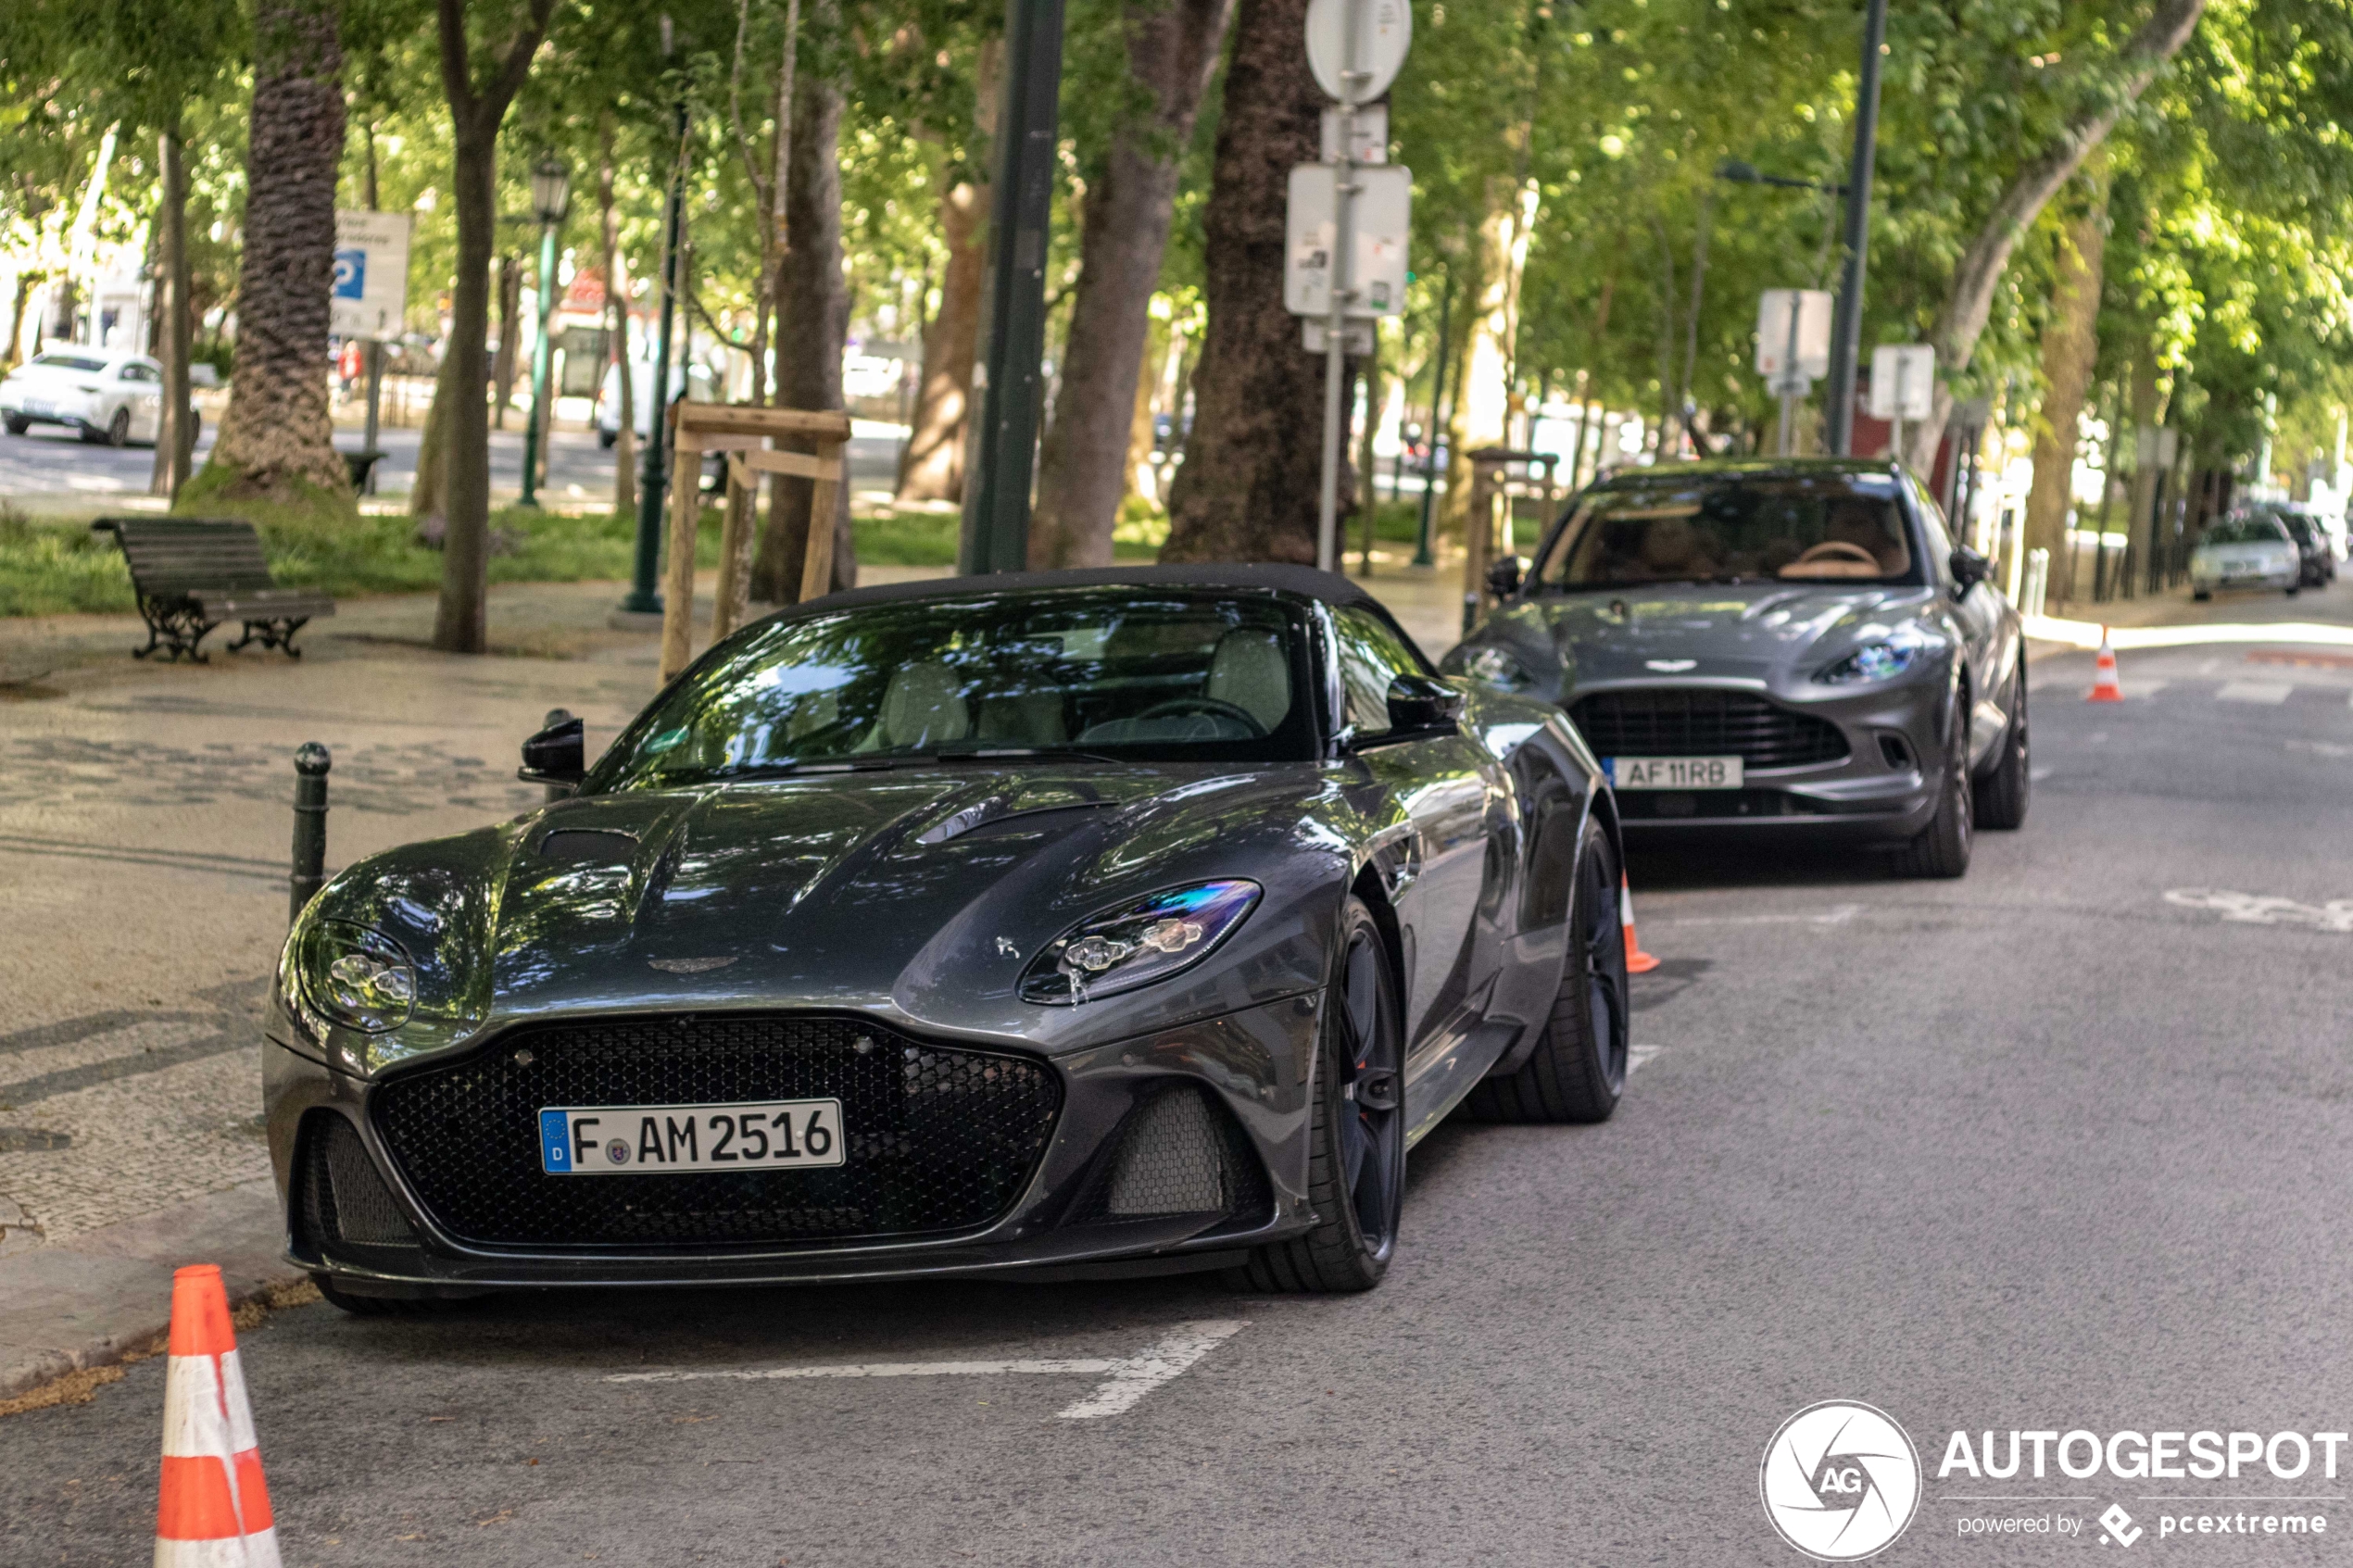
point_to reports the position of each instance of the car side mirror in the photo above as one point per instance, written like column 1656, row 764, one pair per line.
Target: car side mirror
column 557, row 755
column 1422, row 704
column 1969, row 568
column 1503, row 578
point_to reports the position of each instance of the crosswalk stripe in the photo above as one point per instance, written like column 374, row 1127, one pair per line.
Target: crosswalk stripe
column 2272, row 692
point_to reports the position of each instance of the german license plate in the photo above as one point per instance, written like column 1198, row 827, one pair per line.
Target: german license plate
column 652, row 1140
column 1675, row 772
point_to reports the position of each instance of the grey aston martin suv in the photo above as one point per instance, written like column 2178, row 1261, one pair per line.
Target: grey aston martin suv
column 1774, row 646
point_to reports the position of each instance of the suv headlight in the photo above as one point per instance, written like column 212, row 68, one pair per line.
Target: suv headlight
column 1491, row 666
column 1882, row 659
column 355, row 976
column 1144, row 942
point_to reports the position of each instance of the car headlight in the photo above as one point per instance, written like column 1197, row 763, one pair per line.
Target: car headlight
column 1491, row 666
column 357, row 976
column 1146, row 941
column 1882, row 658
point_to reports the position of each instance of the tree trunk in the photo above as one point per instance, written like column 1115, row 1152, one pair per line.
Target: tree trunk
column 1483, row 391
column 27, row 281
column 460, row 622
column 502, row 367
column 812, row 320
column 625, row 474
column 277, row 443
column 1248, row 490
column 1082, row 469
column 2142, row 495
column 932, row 469
column 429, row 495
column 2070, row 342
column 1961, row 319
column 175, row 437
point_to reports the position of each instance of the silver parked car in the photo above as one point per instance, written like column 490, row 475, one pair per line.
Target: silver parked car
column 1774, row 647
column 2251, row 550
column 107, row 395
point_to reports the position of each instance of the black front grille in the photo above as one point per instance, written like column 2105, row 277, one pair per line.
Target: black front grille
column 938, row 1139
column 1680, row 722
column 343, row 1200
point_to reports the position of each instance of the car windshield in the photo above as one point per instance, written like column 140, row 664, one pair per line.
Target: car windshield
column 1721, row 527
column 2248, row 531
column 1132, row 673
column 70, row 363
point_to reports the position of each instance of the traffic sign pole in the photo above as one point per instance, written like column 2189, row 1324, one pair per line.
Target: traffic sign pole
column 1336, row 324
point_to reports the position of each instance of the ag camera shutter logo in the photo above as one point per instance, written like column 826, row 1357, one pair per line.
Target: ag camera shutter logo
column 1839, row 1481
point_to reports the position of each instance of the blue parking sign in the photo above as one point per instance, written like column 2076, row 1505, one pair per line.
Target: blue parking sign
column 351, row 275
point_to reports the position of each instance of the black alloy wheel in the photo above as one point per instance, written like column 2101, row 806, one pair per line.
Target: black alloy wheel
column 1356, row 1137
column 2002, row 794
column 1577, row 1070
column 1941, row 848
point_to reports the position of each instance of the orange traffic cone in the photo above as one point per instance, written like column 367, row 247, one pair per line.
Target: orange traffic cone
column 2104, row 686
column 1637, row 960
column 215, row 1509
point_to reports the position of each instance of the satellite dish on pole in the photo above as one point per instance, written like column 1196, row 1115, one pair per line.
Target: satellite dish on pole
column 1384, row 30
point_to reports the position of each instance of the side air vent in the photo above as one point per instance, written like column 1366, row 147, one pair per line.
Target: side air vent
column 1179, row 1155
column 342, row 1197
column 1898, row 751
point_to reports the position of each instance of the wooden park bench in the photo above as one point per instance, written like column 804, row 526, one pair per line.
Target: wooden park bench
column 193, row 574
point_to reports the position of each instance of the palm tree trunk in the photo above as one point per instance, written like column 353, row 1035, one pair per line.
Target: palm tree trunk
column 277, row 443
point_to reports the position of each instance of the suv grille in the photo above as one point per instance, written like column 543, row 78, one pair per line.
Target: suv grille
column 1682, row 722
column 938, row 1139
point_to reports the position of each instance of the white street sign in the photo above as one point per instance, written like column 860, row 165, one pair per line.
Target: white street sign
column 1378, row 219
column 1903, row 381
column 370, row 290
column 1372, row 135
column 1811, row 328
column 1384, row 30
column 1317, row 332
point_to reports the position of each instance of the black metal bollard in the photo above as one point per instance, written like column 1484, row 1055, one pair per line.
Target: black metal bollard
column 557, row 716
column 311, row 828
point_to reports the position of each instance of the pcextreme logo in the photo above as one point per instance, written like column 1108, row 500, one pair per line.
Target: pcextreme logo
column 1841, row 1481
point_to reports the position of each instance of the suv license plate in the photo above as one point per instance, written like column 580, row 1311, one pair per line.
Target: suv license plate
column 1674, row 772
column 652, row 1140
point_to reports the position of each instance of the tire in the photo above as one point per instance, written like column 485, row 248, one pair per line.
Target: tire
column 2293, row 592
column 608, row 439
column 1941, row 848
column 18, row 427
column 118, row 428
column 387, row 1306
column 2002, row 794
column 1356, row 1131
column 1577, row 1070
column 2201, row 594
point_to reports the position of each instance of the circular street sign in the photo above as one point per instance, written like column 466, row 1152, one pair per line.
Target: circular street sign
column 1384, row 30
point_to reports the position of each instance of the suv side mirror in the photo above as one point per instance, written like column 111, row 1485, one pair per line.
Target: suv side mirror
column 557, row 755
column 1969, row 568
column 1421, row 705
column 1503, row 577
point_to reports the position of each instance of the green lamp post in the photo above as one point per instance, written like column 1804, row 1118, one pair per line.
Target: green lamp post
column 551, row 200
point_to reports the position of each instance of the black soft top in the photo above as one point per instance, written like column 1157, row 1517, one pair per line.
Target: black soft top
column 1303, row 582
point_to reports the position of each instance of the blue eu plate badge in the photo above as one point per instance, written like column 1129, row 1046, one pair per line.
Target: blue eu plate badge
column 555, row 1141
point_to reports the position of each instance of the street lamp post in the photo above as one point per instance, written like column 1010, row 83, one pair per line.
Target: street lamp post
column 551, row 200
column 1846, row 327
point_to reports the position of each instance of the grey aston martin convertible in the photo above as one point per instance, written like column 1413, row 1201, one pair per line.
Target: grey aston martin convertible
column 1775, row 647
column 1135, row 919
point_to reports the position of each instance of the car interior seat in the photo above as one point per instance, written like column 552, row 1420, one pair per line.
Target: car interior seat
column 1250, row 670
column 922, row 706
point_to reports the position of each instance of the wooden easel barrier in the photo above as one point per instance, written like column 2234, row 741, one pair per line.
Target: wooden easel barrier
column 1493, row 480
column 742, row 431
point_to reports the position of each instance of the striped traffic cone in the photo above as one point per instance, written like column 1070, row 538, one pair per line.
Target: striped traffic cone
column 2104, row 686
column 214, row 1512
column 1637, row 960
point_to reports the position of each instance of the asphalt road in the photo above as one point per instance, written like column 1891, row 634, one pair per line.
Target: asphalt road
column 55, row 464
column 2044, row 1148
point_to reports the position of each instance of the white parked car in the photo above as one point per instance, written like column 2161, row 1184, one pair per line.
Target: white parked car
column 697, row 383
column 2251, row 551
column 108, row 395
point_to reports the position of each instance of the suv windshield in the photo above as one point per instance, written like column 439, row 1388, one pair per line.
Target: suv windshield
column 1723, row 527
column 1126, row 673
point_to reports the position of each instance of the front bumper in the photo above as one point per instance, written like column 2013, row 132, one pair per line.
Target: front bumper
column 1251, row 1067
column 1883, row 790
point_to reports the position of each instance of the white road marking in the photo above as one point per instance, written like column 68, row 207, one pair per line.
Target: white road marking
column 2264, row 909
column 2148, row 688
column 2320, row 747
column 2039, row 774
column 1637, row 1055
column 1837, row 914
column 2210, row 666
column 1126, row 1378
column 2272, row 692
